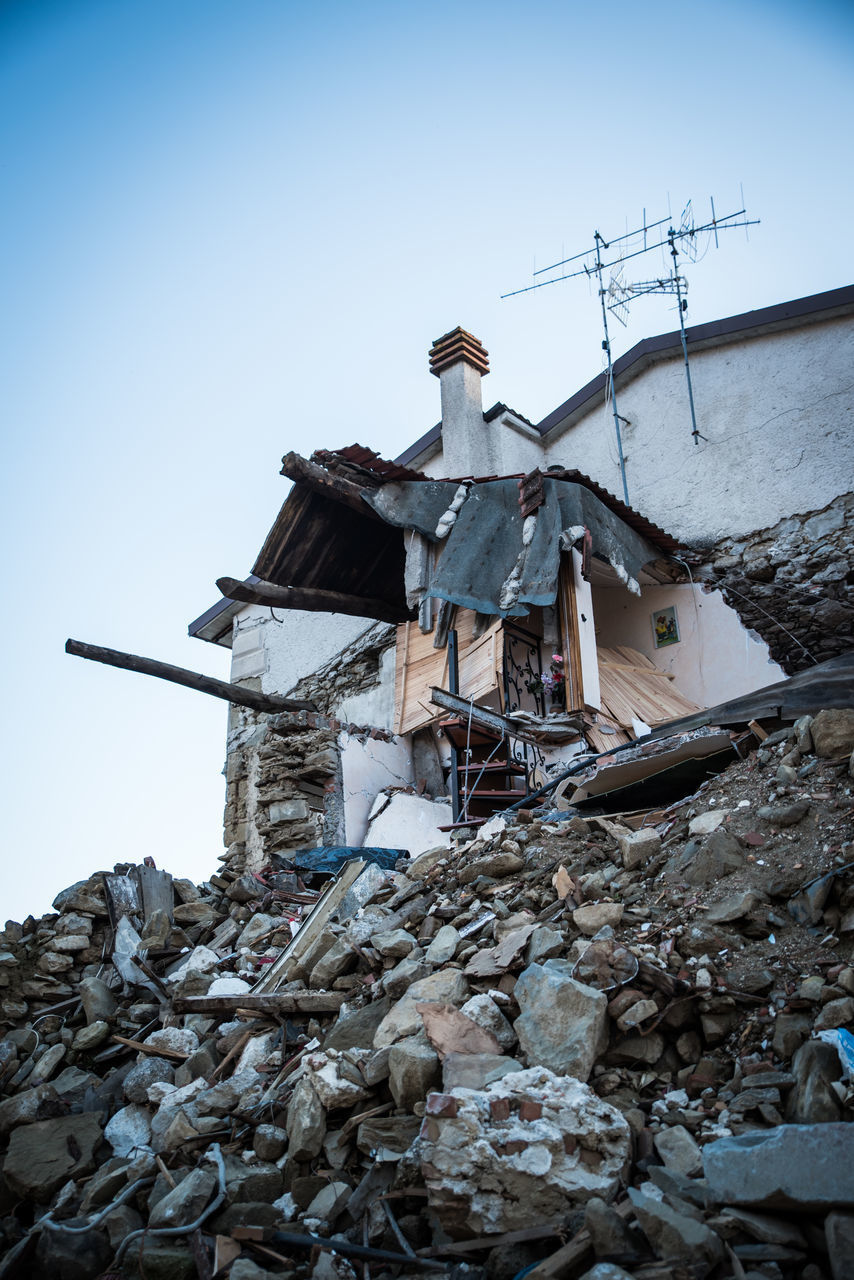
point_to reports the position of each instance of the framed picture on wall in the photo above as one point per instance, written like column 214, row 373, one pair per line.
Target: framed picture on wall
column 665, row 626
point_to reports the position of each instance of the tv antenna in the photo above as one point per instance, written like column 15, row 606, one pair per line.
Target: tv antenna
column 685, row 240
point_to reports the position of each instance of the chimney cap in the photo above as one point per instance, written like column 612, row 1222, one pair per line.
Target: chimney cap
column 456, row 346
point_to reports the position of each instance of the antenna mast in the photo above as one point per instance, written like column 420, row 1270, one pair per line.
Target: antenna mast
column 682, row 307
column 626, row 247
column 606, row 346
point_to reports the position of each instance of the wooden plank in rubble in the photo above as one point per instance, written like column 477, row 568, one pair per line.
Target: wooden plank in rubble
column 314, row 924
column 274, row 1002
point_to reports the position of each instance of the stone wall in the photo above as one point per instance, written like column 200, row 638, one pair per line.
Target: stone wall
column 281, row 787
column 793, row 584
column 355, row 670
column 283, row 772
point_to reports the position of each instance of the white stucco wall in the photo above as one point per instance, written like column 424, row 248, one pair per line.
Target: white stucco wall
column 521, row 448
column 777, row 412
column 282, row 652
column 409, row 822
column 465, row 443
column 374, row 706
column 489, row 448
column 716, row 658
column 367, row 767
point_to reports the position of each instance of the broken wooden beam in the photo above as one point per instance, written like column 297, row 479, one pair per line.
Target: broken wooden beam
column 337, row 488
column 571, row 1256
column 311, row 599
column 158, row 1051
column 265, row 1002
column 190, row 679
column 483, row 717
column 494, row 721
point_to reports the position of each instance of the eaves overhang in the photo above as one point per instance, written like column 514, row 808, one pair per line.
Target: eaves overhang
column 216, row 623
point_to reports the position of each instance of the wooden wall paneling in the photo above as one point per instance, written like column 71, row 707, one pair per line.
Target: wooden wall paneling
column 420, row 667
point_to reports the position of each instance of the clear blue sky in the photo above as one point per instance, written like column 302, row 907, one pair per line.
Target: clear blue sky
column 233, row 229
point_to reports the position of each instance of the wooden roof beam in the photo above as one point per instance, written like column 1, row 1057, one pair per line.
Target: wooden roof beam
column 321, row 481
column 311, row 599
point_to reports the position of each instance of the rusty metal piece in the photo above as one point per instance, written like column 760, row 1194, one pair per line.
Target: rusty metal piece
column 531, row 493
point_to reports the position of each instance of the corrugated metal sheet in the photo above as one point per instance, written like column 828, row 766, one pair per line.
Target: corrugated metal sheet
column 630, row 517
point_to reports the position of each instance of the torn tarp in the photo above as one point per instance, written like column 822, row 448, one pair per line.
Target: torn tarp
column 329, row 859
column 496, row 561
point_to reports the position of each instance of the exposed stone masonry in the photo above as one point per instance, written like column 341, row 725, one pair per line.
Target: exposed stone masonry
column 793, row 584
column 283, row 772
column 280, row 788
column 354, row 670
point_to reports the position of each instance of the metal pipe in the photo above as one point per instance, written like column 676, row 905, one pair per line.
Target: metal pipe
column 348, row 1250
column 570, row 772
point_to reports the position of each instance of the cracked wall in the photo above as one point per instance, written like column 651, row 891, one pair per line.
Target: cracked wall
column 356, row 684
column 775, row 414
column 298, row 780
column 765, row 495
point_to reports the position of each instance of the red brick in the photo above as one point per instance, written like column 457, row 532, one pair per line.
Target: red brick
column 440, row 1104
column 530, row 1110
column 500, row 1108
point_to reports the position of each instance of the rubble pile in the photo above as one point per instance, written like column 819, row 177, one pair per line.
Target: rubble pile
column 572, row 1045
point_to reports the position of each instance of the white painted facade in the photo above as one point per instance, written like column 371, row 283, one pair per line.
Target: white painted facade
column 777, row 414
column 280, row 650
column 367, row 769
column 716, row 658
column 505, row 446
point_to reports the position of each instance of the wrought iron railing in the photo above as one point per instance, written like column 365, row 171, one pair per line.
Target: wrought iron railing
column 523, row 671
column 523, row 691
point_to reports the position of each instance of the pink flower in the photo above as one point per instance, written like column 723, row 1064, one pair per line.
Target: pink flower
column 557, row 657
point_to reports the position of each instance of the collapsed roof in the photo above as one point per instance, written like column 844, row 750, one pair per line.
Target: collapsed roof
column 339, row 541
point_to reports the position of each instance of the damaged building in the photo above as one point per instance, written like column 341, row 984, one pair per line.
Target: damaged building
column 490, row 567
column 532, row 950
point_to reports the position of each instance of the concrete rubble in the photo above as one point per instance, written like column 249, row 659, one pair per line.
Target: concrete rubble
column 565, row 1043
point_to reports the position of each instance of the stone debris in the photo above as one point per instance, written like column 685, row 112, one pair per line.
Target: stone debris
column 566, row 1043
column 530, row 1138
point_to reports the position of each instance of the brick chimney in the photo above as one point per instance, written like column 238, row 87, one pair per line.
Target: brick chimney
column 459, row 361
